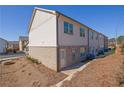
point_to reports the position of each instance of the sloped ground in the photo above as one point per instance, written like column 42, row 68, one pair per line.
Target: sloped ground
column 103, row 72
column 24, row 73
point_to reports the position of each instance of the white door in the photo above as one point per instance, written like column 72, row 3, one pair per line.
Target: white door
column 62, row 58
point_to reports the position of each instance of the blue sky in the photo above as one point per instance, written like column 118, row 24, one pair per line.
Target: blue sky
column 14, row 20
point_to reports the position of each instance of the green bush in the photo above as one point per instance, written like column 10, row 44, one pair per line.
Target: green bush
column 112, row 51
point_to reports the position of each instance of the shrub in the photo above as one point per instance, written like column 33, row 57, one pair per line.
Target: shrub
column 33, row 60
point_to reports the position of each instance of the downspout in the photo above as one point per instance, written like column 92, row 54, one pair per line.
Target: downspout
column 57, row 38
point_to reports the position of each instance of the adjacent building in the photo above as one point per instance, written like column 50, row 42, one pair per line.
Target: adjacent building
column 3, row 46
column 13, row 45
column 112, row 43
column 59, row 41
column 23, row 42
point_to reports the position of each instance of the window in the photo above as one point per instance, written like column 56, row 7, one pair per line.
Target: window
column 65, row 27
column 82, row 32
column 82, row 51
column 91, row 35
column 68, row 28
column 71, row 28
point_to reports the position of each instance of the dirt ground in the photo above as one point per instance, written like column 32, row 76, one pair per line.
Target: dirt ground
column 103, row 72
column 24, row 73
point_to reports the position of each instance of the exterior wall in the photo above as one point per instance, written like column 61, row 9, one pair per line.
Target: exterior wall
column 71, row 40
column 101, row 41
column 22, row 45
column 3, row 45
column 46, row 55
column 42, row 39
column 69, row 59
column 105, row 42
column 13, row 45
column 93, row 43
column 43, row 29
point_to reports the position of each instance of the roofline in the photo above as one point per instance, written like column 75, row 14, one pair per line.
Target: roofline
column 3, row 39
column 56, row 13
column 34, row 12
column 80, row 23
column 45, row 10
column 23, row 37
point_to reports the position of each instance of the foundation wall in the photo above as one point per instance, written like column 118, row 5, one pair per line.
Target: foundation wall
column 46, row 55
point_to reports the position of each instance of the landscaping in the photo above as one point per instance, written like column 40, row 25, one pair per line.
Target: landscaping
column 22, row 72
column 103, row 72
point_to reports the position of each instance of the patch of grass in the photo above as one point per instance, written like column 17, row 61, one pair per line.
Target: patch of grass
column 112, row 51
column 33, row 60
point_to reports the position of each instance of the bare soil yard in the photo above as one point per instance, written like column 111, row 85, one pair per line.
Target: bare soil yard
column 24, row 73
column 103, row 72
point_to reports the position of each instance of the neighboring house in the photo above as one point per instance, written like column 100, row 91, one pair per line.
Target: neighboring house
column 13, row 45
column 3, row 46
column 105, row 42
column 59, row 41
column 23, row 41
column 112, row 43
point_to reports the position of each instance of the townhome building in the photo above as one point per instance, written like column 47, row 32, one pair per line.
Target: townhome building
column 3, row 45
column 23, row 42
column 93, row 42
column 13, row 45
column 58, row 41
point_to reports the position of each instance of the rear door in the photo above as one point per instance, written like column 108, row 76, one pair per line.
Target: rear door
column 62, row 58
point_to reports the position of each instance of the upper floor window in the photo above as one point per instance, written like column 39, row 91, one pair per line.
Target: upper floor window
column 82, row 32
column 68, row 28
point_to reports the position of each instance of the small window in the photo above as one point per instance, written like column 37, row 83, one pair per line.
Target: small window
column 82, row 32
column 68, row 28
column 82, row 51
column 71, row 28
column 65, row 27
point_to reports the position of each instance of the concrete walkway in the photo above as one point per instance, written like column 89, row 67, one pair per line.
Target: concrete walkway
column 72, row 70
column 76, row 67
column 10, row 56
